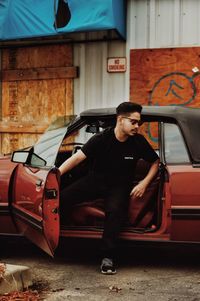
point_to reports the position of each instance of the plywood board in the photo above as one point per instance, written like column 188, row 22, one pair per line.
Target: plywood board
column 37, row 57
column 30, row 105
column 39, row 73
column 35, row 101
column 165, row 76
column 13, row 141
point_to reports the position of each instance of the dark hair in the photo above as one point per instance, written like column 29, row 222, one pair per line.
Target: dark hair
column 128, row 107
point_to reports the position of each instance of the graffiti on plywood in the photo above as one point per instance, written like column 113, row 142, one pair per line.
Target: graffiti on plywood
column 169, row 76
column 177, row 86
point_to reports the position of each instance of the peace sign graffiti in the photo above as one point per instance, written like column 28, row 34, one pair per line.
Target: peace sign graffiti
column 175, row 88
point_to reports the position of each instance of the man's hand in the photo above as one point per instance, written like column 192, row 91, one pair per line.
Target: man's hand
column 139, row 189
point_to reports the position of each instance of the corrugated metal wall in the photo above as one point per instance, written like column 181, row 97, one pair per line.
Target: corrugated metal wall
column 150, row 24
column 163, row 23
column 95, row 87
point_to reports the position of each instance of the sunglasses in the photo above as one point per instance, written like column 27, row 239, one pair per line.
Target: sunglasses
column 134, row 121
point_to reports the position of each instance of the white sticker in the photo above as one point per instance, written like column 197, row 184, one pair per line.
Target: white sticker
column 195, row 69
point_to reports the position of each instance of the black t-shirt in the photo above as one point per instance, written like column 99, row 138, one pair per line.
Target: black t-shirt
column 114, row 159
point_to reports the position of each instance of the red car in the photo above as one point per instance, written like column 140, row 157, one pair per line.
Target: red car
column 169, row 210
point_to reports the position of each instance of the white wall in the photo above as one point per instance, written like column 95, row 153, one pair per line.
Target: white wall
column 150, row 24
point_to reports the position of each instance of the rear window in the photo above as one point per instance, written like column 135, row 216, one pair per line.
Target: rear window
column 175, row 150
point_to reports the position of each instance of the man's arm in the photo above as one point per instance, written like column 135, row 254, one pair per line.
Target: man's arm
column 72, row 162
column 140, row 188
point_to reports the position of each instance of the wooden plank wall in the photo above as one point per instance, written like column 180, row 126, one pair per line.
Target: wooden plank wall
column 37, row 86
column 164, row 77
column 168, row 76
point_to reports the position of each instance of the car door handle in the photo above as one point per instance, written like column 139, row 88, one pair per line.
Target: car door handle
column 39, row 182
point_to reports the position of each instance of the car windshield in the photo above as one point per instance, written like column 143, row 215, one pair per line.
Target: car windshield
column 49, row 143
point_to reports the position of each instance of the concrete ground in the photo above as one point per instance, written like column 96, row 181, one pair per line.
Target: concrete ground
column 145, row 272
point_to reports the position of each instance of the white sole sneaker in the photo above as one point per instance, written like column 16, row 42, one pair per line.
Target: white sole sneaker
column 109, row 272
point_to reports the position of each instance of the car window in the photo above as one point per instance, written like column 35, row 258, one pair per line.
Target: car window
column 77, row 139
column 175, row 150
column 72, row 143
column 150, row 130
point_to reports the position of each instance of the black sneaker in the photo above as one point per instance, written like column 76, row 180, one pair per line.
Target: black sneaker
column 107, row 266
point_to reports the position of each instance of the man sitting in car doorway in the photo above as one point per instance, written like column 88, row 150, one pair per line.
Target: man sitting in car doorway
column 113, row 154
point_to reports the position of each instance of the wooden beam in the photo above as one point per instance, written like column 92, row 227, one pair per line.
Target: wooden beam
column 26, row 128
column 39, row 73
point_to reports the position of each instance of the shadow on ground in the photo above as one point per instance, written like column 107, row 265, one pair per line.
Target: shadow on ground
column 82, row 251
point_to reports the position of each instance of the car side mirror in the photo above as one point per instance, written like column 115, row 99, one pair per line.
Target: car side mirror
column 20, row 156
column 26, row 157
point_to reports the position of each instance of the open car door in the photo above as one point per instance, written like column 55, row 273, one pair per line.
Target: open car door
column 35, row 188
column 35, row 203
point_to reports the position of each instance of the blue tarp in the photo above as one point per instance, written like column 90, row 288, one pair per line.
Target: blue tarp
column 36, row 18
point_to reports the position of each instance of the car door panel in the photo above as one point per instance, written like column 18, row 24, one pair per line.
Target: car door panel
column 184, row 181
column 6, row 171
column 34, row 208
column 185, row 203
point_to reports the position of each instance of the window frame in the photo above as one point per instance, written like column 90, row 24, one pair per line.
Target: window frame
column 163, row 143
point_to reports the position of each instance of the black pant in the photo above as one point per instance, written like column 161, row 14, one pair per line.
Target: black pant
column 116, row 197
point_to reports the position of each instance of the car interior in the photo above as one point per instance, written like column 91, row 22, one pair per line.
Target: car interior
column 144, row 214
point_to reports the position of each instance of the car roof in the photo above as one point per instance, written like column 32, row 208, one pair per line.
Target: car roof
column 167, row 111
column 187, row 118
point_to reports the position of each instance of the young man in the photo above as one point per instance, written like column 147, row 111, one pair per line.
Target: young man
column 113, row 154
